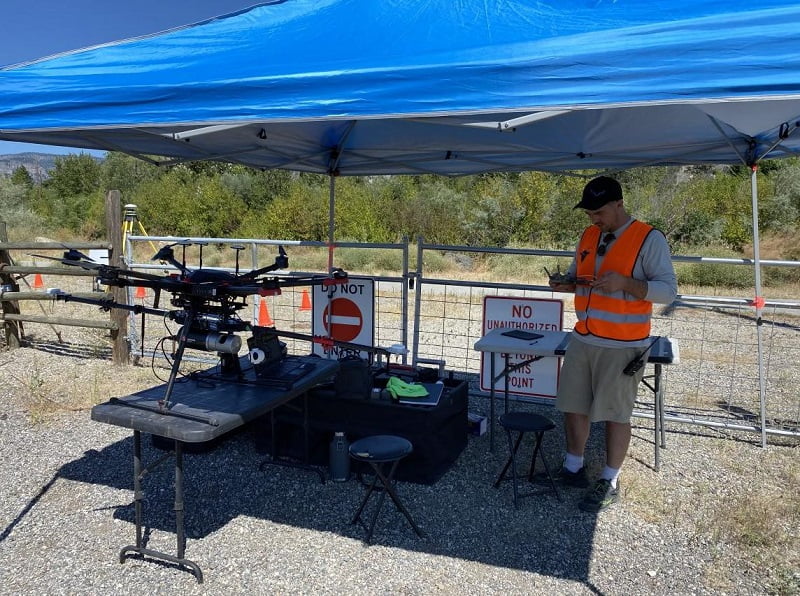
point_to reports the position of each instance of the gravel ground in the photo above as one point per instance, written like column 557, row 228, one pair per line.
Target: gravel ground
column 66, row 510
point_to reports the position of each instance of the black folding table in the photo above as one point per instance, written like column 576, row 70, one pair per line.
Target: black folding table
column 204, row 407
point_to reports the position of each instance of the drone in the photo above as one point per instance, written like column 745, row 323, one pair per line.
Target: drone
column 205, row 302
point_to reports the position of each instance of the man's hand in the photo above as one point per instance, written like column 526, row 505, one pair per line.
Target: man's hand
column 611, row 282
column 562, row 287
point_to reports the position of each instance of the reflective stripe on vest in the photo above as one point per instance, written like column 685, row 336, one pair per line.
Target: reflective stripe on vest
column 617, row 316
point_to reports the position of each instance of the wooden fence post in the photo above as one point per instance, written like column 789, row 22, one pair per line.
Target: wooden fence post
column 120, row 348
column 10, row 328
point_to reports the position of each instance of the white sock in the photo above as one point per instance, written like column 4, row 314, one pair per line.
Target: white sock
column 610, row 474
column 573, row 463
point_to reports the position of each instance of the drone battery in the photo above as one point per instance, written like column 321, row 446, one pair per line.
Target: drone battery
column 227, row 343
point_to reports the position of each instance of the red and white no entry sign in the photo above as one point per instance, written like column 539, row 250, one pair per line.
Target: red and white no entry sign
column 346, row 313
column 342, row 319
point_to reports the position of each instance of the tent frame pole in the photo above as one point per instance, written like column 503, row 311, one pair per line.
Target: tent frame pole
column 758, row 302
column 331, row 223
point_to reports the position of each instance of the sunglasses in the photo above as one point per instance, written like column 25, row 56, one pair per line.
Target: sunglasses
column 602, row 248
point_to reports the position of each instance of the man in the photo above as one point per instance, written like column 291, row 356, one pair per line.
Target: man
column 621, row 267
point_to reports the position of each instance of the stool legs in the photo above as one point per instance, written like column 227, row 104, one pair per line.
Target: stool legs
column 536, row 449
column 512, row 450
column 513, row 447
column 386, row 487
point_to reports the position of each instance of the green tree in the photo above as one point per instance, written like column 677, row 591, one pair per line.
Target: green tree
column 358, row 215
column 14, row 211
column 435, row 210
column 257, row 189
column 75, row 175
column 723, row 201
column 563, row 223
column 781, row 211
column 495, row 210
column 125, row 173
column 536, row 191
column 71, row 198
column 183, row 204
column 22, row 177
column 301, row 215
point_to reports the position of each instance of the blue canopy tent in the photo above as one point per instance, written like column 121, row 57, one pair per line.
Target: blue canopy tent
column 350, row 87
column 440, row 86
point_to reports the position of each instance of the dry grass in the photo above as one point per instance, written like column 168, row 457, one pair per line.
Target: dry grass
column 78, row 385
column 736, row 498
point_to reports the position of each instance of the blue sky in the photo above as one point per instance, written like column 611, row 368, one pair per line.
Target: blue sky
column 38, row 28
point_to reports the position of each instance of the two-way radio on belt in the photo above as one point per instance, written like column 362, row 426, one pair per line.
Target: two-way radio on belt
column 638, row 362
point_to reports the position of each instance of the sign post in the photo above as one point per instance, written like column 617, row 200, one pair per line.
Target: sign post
column 536, row 379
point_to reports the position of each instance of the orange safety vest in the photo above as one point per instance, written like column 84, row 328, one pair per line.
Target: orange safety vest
column 617, row 316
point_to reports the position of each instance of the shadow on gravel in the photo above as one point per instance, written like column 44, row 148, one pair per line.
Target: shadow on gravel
column 462, row 515
column 74, row 350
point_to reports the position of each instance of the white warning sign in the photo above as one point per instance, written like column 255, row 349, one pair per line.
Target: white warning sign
column 536, row 379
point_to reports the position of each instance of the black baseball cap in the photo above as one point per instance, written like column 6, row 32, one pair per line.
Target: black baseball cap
column 598, row 192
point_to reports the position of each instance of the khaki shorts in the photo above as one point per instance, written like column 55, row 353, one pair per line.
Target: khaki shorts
column 592, row 382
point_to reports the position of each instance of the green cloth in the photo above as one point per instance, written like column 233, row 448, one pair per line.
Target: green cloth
column 398, row 388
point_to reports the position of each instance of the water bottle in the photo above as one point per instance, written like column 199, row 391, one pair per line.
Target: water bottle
column 340, row 458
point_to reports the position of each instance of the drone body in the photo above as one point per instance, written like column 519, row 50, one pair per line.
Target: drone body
column 206, row 301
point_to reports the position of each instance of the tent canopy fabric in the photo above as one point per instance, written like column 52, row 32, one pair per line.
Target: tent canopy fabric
column 450, row 87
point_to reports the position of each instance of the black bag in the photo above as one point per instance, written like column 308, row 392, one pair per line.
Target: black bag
column 354, row 379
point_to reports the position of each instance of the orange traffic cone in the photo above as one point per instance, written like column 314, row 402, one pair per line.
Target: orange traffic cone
column 38, row 284
column 140, row 292
column 305, row 301
column 264, row 320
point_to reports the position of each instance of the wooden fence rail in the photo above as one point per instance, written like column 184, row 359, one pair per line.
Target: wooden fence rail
column 41, row 295
column 60, row 321
column 53, row 245
column 26, row 270
column 10, row 294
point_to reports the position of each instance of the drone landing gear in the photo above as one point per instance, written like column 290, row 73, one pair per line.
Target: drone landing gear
column 139, row 550
column 229, row 365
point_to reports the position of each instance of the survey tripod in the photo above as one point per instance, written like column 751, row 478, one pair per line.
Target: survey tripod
column 130, row 221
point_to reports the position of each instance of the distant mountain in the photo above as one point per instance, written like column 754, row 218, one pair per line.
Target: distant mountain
column 37, row 164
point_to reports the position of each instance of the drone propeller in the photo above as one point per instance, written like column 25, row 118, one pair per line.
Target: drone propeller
column 73, row 254
column 110, row 275
column 166, row 253
column 69, row 259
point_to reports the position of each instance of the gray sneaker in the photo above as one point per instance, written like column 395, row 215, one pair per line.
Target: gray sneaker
column 575, row 479
column 600, row 496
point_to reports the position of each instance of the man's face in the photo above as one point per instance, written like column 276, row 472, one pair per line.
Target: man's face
column 607, row 217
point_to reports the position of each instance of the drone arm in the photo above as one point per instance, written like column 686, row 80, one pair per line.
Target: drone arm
column 108, row 303
column 281, row 262
column 179, row 266
column 256, row 272
column 168, row 255
column 309, row 280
